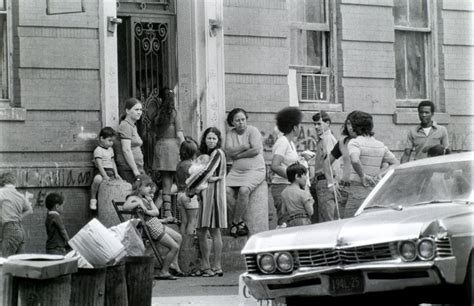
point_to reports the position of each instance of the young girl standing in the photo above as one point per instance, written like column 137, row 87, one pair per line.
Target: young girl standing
column 188, row 205
column 212, row 213
column 142, row 196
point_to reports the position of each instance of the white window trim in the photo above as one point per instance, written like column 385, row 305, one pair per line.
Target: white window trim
column 8, row 48
column 331, row 57
column 7, row 112
column 316, row 27
column 431, row 58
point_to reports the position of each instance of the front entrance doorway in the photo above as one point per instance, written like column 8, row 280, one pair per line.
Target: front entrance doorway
column 146, row 64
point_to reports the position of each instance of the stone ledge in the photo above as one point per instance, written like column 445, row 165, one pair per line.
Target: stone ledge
column 12, row 114
column 404, row 117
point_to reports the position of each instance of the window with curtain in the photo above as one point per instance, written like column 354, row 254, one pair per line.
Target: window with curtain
column 412, row 38
column 309, row 38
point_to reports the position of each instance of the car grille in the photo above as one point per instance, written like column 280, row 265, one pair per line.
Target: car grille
column 443, row 247
column 251, row 262
column 355, row 255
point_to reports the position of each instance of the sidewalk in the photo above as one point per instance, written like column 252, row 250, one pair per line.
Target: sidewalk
column 199, row 291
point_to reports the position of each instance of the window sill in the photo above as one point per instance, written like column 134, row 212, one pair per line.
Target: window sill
column 411, row 117
column 318, row 106
column 12, row 114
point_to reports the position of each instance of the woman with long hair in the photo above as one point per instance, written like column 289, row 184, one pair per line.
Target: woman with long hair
column 169, row 136
column 128, row 147
column 212, row 213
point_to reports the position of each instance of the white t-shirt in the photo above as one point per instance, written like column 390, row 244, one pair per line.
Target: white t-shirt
column 287, row 149
column 427, row 130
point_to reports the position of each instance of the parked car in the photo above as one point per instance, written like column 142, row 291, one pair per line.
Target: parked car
column 413, row 232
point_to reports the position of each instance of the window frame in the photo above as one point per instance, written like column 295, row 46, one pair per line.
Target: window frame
column 327, row 29
column 9, row 65
column 314, row 27
column 430, row 44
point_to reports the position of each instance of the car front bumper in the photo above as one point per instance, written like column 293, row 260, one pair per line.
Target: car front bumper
column 375, row 277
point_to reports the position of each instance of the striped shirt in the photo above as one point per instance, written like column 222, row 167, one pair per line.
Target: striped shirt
column 371, row 153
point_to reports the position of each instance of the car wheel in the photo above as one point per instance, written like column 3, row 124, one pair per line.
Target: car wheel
column 468, row 285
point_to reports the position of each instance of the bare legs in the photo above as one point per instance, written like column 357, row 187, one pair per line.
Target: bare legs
column 179, row 240
column 173, row 247
column 239, row 206
column 95, row 186
column 172, row 241
column 205, row 247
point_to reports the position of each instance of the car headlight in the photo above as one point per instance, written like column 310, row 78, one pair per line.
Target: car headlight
column 266, row 263
column 426, row 249
column 284, row 262
column 407, row 250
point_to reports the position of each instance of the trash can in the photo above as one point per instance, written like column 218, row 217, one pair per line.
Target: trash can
column 88, row 287
column 38, row 279
column 116, row 286
column 139, row 275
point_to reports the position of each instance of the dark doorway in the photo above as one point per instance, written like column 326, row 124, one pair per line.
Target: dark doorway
column 146, row 64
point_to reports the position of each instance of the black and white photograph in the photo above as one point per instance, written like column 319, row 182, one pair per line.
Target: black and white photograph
column 236, row 152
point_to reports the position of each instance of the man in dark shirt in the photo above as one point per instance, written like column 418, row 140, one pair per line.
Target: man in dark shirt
column 57, row 235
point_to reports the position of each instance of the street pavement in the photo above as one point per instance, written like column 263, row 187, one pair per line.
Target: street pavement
column 200, row 291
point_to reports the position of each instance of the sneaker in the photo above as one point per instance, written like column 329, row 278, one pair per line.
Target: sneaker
column 93, row 204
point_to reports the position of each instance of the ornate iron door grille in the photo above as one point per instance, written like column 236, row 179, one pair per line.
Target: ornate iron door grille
column 150, row 73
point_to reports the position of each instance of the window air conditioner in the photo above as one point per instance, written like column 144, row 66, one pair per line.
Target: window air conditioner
column 314, row 87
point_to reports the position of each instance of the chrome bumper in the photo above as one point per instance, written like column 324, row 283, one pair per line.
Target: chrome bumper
column 386, row 276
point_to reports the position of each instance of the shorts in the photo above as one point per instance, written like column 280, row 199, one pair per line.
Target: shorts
column 156, row 228
column 109, row 171
column 187, row 202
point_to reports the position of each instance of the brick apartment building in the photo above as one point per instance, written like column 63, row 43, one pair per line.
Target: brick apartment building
column 66, row 67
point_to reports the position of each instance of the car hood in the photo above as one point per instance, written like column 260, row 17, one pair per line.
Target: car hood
column 371, row 227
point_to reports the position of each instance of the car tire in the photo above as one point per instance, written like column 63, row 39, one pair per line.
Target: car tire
column 468, row 285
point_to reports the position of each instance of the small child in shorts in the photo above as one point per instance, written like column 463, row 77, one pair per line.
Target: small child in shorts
column 297, row 200
column 13, row 206
column 57, row 235
column 187, row 204
column 104, row 161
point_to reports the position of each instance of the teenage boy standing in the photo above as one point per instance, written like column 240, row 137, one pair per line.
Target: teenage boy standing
column 324, row 174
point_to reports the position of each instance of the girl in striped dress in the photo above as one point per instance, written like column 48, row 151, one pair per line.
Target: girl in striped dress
column 212, row 214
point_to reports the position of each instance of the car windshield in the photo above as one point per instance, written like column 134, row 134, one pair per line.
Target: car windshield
column 426, row 185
